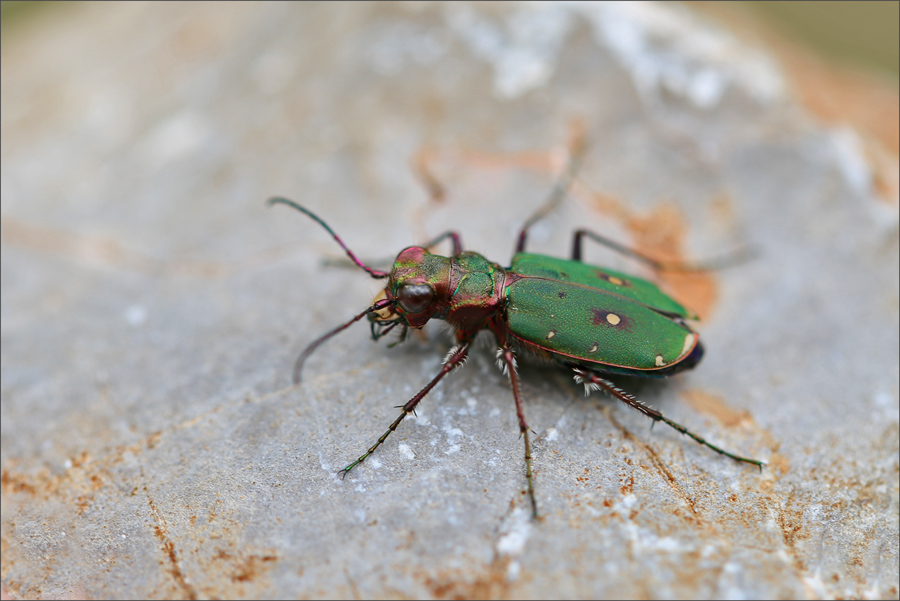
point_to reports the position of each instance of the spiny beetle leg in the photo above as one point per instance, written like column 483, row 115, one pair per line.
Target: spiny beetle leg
column 507, row 361
column 592, row 381
column 739, row 256
column 455, row 358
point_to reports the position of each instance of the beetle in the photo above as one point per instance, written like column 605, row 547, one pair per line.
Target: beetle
column 593, row 320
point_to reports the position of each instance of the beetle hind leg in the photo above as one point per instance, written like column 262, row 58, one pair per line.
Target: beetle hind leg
column 592, row 381
column 737, row 257
column 507, row 361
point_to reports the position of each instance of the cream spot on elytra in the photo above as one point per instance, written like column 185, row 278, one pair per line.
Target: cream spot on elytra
column 659, row 361
column 689, row 341
column 613, row 319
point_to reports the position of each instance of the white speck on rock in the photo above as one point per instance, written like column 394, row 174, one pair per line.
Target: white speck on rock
column 512, row 571
column 180, row 135
column 135, row 315
column 517, row 530
column 403, row 44
column 668, row 48
column 453, row 432
column 420, row 419
column 884, row 399
column 523, row 50
column 850, row 160
column 627, row 502
column 406, row 451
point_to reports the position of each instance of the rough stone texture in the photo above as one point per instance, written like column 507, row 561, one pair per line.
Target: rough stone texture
column 152, row 306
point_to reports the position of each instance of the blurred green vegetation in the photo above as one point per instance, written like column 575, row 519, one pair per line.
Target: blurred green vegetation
column 14, row 13
column 861, row 32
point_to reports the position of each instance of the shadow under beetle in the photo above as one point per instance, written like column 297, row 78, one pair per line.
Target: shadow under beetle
column 593, row 320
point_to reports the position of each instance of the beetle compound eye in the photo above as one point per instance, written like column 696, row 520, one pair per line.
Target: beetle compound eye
column 415, row 298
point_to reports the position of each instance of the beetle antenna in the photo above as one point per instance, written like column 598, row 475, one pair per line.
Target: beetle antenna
column 298, row 365
column 375, row 273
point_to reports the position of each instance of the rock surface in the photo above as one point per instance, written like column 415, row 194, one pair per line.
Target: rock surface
column 152, row 445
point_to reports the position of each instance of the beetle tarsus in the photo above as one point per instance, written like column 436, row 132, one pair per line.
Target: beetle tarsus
column 508, row 357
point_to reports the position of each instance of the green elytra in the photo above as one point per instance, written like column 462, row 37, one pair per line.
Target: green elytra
column 620, row 323
column 590, row 319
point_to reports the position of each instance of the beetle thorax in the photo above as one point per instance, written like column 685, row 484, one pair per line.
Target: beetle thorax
column 477, row 286
column 465, row 290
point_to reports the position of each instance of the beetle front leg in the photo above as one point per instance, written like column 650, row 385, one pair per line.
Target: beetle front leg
column 507, row 360
column 592, row 381
column 455, row 358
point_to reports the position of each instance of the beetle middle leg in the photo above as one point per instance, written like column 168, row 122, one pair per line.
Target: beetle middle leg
column 455, row 358
column 507, row 360
column 592, row 381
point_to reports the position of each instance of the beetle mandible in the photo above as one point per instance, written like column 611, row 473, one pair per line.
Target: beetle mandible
column 602, row 322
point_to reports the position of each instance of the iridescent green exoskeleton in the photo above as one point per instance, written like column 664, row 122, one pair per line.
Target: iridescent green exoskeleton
column 590, row 319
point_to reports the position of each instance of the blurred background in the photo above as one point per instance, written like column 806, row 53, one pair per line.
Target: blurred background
column 862, row 33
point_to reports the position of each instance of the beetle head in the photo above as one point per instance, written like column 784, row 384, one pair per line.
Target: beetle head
column 418, row 288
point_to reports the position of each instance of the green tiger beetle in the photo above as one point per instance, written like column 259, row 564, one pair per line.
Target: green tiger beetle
column 592, row 320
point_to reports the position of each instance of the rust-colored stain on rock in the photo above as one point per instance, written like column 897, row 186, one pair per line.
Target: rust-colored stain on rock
column 490, row 583
column 715, row 406
column 661, row 235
